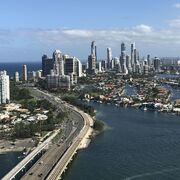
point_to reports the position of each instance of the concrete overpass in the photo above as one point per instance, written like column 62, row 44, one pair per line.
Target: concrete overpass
column 20, row 166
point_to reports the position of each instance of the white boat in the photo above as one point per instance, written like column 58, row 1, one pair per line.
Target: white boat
column 145, row 108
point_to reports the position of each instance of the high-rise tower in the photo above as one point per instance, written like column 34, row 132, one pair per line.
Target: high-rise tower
column 58, row 62
column 123, row 58
column 92, row 58
column 4, row 87
column 109, row 57
column 132, row 53
column 24, row 73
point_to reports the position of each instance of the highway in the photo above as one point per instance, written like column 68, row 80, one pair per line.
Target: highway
column 43, row 167
column 67, row 157
column 28, row 158
column 54, row 161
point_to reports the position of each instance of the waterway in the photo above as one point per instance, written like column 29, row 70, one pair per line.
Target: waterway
column 8, row 161
column 137, row 146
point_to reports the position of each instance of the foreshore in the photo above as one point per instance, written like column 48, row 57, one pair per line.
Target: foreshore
column 20, row 145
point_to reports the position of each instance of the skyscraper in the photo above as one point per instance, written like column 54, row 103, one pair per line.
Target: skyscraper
column 132, row 54
column 109, row 58
column 73, row 65
column 93, row 49
column 156, row 64
column 128, row 63
column 149, row 60
column 99, row 67
column 103, row 64
column 4, row 87
column 91, row 62
column 58, row 62
column 24, row 72
column 123, row 58
column 79, row 68
column 92, row 59
column 47, row 65
column 16, row 77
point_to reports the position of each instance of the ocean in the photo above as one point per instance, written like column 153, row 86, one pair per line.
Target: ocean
column 11, row 68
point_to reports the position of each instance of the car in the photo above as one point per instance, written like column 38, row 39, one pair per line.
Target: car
column 31, row 173
column 40, row 162
column 40, row 175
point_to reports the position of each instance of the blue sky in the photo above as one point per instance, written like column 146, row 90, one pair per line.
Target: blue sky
column 30, row 28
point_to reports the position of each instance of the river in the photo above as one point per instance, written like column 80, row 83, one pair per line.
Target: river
column 8, row 161
column 136, row 146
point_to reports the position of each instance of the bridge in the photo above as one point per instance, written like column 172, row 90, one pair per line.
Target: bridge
column 28, row 159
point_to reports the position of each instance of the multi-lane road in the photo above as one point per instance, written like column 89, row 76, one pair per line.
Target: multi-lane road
column 75, row 128
column 71, row 128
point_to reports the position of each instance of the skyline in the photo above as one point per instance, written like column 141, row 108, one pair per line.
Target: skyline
column 71, row 26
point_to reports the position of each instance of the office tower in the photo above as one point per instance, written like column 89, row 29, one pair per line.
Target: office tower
column 93, row 51
column 58, row 62
column 79, row 67
column 73, row 65
column 92, row 59
column 16, row 77
column 109, row 58
column 55, row 81
column 128, row 64
column 123, row 58
column 96, row 52
column 145, row 70
column 112, row 64
column 32, row 76
column 47, row 65
column 70, row 66
column 4, row 87
column 39, row 74
column 103, row 64
column 135, row 56
column 156, row 64
column 149, row 60
column 134, row 64
column 24, row 73
column 91, row 62
column 99, row 67
column 132, row 53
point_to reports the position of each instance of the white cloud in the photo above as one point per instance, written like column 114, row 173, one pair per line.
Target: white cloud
column 174, row 23
column 77, row 41
column 143, row 28
column 78, row 33
column 177, row 5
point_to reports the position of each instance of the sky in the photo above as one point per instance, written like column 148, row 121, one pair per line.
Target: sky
column 31, row 28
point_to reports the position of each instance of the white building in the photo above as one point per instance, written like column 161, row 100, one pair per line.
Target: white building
column 4, row 87
column 16, row 76
column 58, row 62
column 79, row 68
column 109, row 57
column 24, row 73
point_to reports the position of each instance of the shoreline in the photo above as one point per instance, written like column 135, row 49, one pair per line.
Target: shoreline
column 8, row 150
column 137, row 106
column 19, row 145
